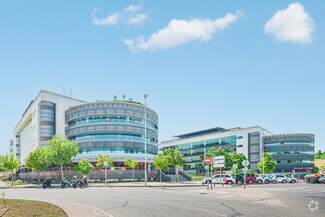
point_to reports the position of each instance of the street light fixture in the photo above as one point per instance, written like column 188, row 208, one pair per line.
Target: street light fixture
column 145, row 139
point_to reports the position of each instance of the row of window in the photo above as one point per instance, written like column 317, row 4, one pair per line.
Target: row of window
column 100, row 150
column 114, row 136
column 294, row 161
column 222, row 141
column 96, row 119
column 291, row 152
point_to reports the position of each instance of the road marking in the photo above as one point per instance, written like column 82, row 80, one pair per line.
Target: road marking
column 96, row 212
column 211, row 212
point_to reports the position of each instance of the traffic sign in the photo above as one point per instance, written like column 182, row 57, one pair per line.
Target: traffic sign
column 206, row 167
column 219, row 157
column 219, row 165
column 207, row 160
column 219, row 161
column 235, row 166
column 105, row 163
column 245, row 163
column 178, row 165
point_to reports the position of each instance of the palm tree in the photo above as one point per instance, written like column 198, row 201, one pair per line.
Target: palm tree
column 115, row 97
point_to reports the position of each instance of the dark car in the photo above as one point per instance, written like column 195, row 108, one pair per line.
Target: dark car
column 250, row 177
column 239, row 179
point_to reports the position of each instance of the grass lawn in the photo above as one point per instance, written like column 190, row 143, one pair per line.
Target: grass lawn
column 29, row 208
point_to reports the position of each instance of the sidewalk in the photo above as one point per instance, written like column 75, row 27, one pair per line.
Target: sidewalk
column 119, row 184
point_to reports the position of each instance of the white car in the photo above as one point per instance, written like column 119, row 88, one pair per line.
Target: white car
column 259, row 179
column 225, row 179
column 292, row 179
column 281, row 178
column 273, row 178
column 265, row 178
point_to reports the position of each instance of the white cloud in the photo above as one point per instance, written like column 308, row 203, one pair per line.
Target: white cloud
column 138, row 19
column 292, row 24
column 182, row 31
column 128, row 15
column 110, row 20
column 133, row 8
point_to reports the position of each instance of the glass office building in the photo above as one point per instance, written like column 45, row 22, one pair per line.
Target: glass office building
column 116, row 128
column 292, row 152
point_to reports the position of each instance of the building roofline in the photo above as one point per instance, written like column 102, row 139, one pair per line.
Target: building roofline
column 111, row 102
column 291, row 134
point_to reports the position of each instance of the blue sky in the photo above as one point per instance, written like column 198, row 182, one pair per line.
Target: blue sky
column 262, row 64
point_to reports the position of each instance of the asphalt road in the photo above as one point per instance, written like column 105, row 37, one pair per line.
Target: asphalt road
column 257, row 200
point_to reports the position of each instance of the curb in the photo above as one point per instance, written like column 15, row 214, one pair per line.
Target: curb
column 109, row 186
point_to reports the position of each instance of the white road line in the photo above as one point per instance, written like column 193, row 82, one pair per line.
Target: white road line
column 211, row 212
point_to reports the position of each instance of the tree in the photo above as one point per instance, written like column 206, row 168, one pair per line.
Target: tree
column 174, row 157
column 318, row 155
column 269, row 164
column 315, row 169
column 237, row 158
column 115, row 97
column 124, row 96
column 251, row 171
column 131, row 163
column 102, row 158
column 37, row 160
column 60, row 151
column 83, row 166
column 161, row 162
column 11, row 163
column 213, row 152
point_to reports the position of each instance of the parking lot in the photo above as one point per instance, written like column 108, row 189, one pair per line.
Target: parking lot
column 287, row 199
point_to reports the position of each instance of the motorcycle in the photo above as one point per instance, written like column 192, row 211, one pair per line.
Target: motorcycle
column 81, row 183
column 74, row 182
column 46, row 183
column 85, row 181
column 65, row 184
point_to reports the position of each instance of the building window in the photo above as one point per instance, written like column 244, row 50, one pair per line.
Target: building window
column 239, row 137
column 240, row 146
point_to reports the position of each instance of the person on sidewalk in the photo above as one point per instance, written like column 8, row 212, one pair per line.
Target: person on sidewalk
column 151, row 177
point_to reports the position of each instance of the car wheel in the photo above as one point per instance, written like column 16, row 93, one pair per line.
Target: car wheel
column 267, row 181
column 284, row 181
column 274, row 181
column 239, row 182
column 293, row 181
column 229, row 182
column 259, row 182
column 250, row 182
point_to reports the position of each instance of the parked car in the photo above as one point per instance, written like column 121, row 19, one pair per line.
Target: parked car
column 291, row 179
column 280, row 178
column 239, row 179
column 250, row 177
column 273, row 178
column 225, row 179
column 206, row 180
column 265, row 178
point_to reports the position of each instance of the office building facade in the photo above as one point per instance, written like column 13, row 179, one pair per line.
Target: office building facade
column 193, row 146
column 43, row 118
column 116, row 128
column 292, row 152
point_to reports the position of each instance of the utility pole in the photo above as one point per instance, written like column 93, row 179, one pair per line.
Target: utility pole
column 145, row 139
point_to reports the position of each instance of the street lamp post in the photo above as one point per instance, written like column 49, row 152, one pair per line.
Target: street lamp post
column 145, row 139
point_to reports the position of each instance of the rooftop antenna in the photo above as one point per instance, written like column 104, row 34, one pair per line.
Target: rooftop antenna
column 70, row 93
column 63, row 91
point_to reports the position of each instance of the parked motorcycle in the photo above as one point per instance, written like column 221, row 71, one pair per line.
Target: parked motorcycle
column 74, row 182
column 85, row 181
column 81, row 183
column 65, row 183
column 46, row 183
